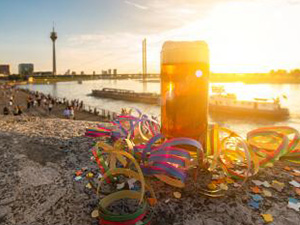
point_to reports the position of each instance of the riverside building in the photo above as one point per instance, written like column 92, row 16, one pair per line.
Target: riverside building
column 4, row 70
column 26, row 69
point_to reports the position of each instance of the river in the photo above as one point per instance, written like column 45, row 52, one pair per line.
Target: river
column 74, row 90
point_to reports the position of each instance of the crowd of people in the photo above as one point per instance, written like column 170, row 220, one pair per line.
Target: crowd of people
column 37, row 99
column 36, row 102
column 8, row 94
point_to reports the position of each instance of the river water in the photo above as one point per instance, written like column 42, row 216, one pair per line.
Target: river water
column 74, row 90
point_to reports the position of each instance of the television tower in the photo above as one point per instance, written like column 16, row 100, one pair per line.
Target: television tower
column 53, row 37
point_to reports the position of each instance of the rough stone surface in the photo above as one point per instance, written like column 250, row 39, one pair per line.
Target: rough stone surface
column 38, row 158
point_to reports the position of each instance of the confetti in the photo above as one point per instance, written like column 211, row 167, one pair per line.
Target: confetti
column 84, row 168
column 78, row 172
column 296, row 174
column 267, row 193
column 229, row 180
column 287, row 168
column 278, row 186
column 224, row 187
column 220, row 181
column 177, row 194
column 268, row 218
column 294, row 204
column 295, row 183
column 90, row 175
column 212, row 186
column 257, row 198
column 95, row 213
column 152, row 201
column 259, row 183
column 131, row 183
column 120, row 186
column 253, row 204
column 297, row 190
column 215, row 177
column 236, row 185
column 266, row 184
column 293, row 200
column 78, row 178
column 255, row 190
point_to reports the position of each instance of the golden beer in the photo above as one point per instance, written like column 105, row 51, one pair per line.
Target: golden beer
column 184, row 89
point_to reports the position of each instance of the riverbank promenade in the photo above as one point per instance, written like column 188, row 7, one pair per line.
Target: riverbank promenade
column 12, row 98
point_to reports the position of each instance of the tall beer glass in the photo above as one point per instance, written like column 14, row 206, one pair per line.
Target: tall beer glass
column 184, row 89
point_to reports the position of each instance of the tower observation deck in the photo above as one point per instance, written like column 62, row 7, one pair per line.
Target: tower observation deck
column 53, row 37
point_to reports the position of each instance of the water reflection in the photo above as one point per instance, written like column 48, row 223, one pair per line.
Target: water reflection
column 74, row 90
column 145, row 87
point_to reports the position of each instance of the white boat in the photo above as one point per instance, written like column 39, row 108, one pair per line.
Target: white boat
column 229, row 104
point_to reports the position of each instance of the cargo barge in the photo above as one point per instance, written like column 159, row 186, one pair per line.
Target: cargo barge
column 127, row 95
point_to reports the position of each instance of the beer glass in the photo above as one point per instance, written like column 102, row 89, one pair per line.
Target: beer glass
column 184, row 89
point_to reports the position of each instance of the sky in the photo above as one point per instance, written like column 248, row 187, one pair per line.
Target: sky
column 94, row 35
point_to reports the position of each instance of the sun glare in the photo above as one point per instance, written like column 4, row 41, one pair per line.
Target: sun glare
column 243, row 37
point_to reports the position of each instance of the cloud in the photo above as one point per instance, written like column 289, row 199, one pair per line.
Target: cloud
column 163, row 15
column 136, row 5
column 294, row 2
column 101, row 51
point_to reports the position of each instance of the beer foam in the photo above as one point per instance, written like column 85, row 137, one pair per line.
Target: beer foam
column 184, row 52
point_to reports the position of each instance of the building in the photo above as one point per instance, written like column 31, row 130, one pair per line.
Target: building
column 43, row 73
column 26, row 69
column 115, row 72
column 4, row 69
